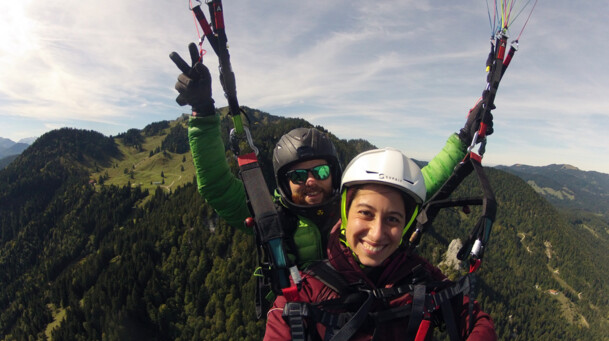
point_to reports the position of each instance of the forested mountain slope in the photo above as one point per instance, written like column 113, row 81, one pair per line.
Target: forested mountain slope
column 544, row 276
column 125, row 259
column 5, row 161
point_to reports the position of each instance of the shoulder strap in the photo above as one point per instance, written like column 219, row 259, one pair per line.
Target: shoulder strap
column 450, row 301
column 417, row 312
column 327, row 274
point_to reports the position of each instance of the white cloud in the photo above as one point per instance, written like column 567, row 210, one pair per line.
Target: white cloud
column 396, row 72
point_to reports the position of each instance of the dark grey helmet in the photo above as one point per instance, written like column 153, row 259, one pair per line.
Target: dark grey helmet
column 302, row 144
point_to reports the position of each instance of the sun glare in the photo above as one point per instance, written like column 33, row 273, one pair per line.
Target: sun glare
column 18, row 30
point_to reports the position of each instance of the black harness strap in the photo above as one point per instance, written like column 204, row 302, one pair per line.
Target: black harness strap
column 351, row 327
column 478, row 238
column 418, row 311
column 391, row 314
column 470, row 307
column 326, row 273
column 342, row 326
column 480, row 234
column 260, row 301
column 268, row 224
column 339, row 326
column 294, row 312
column 452, row 296
column 449, row 318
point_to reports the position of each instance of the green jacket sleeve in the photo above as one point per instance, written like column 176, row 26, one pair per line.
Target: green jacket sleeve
column 220, row 188
column 439, row 169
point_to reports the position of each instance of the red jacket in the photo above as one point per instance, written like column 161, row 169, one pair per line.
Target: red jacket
column 396, row 268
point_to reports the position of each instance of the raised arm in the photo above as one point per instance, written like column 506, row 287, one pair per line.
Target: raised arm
column 437, row 171
column 223, row 191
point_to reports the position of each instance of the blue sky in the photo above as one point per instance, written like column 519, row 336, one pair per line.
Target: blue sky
column 397, row 73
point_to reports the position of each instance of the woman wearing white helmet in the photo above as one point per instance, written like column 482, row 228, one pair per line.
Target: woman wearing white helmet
column 365, row 289
column 385, row 190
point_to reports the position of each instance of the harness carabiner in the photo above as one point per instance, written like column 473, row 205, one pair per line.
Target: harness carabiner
column 476, row 149
column 235, row 138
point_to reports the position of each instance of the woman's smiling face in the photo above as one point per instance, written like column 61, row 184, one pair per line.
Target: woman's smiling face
column 375, row 222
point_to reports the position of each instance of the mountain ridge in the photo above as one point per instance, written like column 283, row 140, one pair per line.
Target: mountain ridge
column 566, row 186
column 9, row 150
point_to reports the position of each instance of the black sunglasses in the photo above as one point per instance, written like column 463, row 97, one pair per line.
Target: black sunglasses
column 300, row 176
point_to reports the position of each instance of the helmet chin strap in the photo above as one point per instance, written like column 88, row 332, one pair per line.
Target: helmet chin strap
column 415, row 213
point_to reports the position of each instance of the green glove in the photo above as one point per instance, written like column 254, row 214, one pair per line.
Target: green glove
column 194, row 83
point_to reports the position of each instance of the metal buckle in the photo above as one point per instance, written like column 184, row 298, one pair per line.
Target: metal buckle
column 235, row 139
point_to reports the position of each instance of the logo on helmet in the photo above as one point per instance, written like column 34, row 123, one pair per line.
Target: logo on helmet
column 383, row 176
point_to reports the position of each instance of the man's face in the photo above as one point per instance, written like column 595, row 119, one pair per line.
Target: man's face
column 310, row 182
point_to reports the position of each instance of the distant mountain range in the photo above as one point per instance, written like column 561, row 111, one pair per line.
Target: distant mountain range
column 9, row 150
column 566, row 186
column 563, row 185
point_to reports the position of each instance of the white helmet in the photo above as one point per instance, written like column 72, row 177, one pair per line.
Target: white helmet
column 387, row 166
